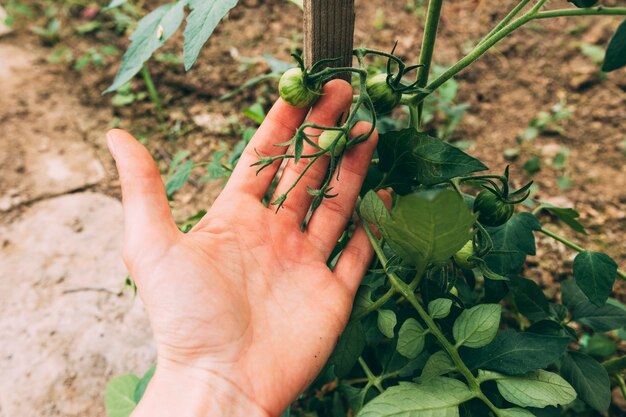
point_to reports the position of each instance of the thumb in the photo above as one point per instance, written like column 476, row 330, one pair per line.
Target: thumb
column 147, row 215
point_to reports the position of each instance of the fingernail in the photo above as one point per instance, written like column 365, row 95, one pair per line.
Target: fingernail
column 111, row 143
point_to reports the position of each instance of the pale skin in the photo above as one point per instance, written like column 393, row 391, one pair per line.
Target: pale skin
column 244, row 310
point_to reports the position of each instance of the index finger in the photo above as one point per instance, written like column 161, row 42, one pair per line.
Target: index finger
column 279, row 126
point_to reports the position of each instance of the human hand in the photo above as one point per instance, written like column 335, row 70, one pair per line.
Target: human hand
column 244, row 310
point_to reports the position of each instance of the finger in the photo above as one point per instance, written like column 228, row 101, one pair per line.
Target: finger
column 332, row 216
column 147, row 215
column 336, row 100
column 357, row 255
column 279, row 126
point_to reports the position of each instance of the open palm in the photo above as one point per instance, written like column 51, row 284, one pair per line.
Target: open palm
column 246, row 298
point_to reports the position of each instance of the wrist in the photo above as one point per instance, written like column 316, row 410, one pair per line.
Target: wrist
column 187, row 392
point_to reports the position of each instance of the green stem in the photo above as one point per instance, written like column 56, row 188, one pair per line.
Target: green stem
column 622, row 385
column 373, row 379
column 507, row 30
column 506, row 19
column 615, row 366
column 376, row 304
column 428, row 47
column 594, row 11
column 574, row 246
column 152, row 92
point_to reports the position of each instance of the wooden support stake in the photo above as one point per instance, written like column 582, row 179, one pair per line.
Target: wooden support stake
column 329, row 32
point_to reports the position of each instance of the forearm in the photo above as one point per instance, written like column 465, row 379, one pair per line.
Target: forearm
column 190, row 394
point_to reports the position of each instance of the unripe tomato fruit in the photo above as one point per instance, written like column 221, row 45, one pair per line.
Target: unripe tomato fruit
column 328, row 137
column 492, row 211
column 293, row 90
column 462, row 256
column 383, row 96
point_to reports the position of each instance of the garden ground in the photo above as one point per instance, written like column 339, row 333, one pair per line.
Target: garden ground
column 68, row 323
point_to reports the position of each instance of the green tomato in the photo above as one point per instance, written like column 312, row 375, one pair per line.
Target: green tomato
column 383, row 96
column 462, row 256
column 328, row 137
column 492, row 211
column 293, row 90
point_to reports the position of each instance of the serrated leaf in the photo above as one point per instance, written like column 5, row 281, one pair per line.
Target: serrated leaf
column 515, row 353
column 589, row 379
column 537, row 389
column 529, row 298
column 424, row 227
column 440, row 397
column 410, row 157
column 615, row 57
column 477, row 326
column 516, row 240
column 567, row 216
column 143, row 383
column 595, row 274
column 411, row 338
column 583, row 3
column 152, row 32
column 349, row 348
column 600, row 319
column 387, row 322
column 201, row 22
column 439, row 363
column 179, row 178
column 119, row 395
column 439, row 308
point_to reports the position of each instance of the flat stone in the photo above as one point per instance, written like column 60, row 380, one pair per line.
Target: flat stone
column 66, row 325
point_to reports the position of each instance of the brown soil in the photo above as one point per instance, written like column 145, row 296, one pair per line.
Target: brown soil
column 52, row 111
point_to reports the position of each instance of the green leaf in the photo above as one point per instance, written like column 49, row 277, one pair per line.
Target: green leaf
column 440, row 397
column 201, row 22
column 589, row 379
column 386, row 322
column 119, row 395
column 616, row 51
column 595, row 275
column 517, row 239
column 349, row 348
column 411, row 339
column 116, row 3
column 598, row 344
column 439, row 363
column 354, row 396
column 143, row 383
column 179, row 178
column 424, row 227
column 439, row 308
column 537, row 389
column 151, row 33
column 600, row 319
column 410, row 157
column 477, row 326
column 571, row 294
column 514, row 353
column 583, row 3
column 567, row 216
column 515, row 412
column 529, row 298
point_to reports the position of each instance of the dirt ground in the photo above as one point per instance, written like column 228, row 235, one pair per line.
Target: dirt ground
column 69, row 325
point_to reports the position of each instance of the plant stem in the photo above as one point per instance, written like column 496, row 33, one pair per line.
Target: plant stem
column 152, row 91
column 373, row 379
column 376, row 304
column 594, row 11
column 574, row 246
column 506, row 19
column 452, row 351
column 504, row 32
column 428, row 47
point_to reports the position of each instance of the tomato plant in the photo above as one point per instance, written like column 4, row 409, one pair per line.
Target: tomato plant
column 445, row 323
